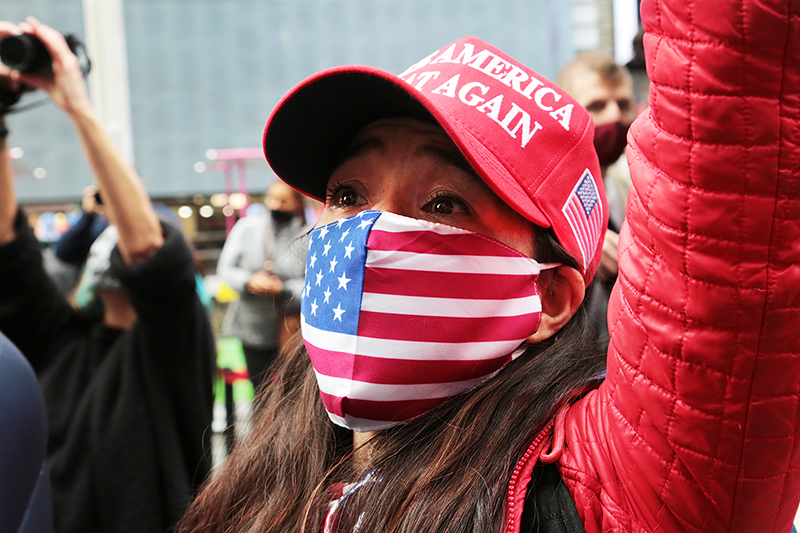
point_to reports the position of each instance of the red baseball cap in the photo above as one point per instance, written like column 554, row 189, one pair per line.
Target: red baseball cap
column 524, row 136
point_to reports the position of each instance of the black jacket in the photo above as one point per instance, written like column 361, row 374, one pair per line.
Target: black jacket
column 129, row 411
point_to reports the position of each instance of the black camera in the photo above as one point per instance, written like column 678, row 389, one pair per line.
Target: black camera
column 27, row 54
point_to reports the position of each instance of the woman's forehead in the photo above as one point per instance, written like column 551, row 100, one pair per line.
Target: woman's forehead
column 404, row 131
column 407, row 123
column 419, row 137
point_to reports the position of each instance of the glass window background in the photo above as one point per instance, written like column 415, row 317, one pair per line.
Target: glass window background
column 206, row 73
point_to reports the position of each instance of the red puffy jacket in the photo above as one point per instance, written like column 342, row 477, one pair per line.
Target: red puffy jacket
column 697, row 426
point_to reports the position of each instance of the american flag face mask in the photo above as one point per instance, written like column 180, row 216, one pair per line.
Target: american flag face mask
column 400, row 314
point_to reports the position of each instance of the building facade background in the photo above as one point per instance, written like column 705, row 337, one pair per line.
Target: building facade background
column 204, row 75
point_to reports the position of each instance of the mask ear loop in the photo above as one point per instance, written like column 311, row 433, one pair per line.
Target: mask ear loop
column 548, row 266
column 519, row 351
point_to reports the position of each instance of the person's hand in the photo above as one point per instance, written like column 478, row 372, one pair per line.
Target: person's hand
column 89, row 203
column 66, row 86
column 262, row 283
column 608, row 268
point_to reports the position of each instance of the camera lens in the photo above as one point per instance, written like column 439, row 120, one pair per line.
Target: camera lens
column 25, row 53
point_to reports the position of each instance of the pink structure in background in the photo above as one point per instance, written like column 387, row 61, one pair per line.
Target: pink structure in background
column 16, row 154
column 230, row 161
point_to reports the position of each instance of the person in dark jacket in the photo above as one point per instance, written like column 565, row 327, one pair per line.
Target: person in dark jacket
column 129, row 398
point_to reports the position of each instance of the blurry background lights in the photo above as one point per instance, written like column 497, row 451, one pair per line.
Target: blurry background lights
column 206, row 211
column 185, row 211
column 237, row 200
column 39, row 173
column 60, row 223
column 219, row 199
column 228, row 210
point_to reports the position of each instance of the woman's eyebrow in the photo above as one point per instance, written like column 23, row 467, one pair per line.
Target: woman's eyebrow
column 361, row 148
column 448, row 157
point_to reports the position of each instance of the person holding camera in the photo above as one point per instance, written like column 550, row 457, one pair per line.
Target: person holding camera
column 129, row 398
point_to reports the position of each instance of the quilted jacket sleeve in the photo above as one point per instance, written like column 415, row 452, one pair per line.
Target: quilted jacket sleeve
column 697, row 427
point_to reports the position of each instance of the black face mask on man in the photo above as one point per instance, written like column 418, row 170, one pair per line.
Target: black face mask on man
column 610, row 141
column 281, row 216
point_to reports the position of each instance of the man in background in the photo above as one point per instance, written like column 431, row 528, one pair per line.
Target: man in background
column 605, row 89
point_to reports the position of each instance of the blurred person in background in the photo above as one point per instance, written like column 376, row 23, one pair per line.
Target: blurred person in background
column 264, row 262
column 73, row 246
column 72, row 250
column 129, row 398
column 605, row 89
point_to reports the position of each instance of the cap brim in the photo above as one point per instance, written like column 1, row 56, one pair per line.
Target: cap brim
column 311, row 127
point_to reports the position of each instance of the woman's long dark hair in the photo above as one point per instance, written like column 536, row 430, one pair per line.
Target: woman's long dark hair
column 445, row 472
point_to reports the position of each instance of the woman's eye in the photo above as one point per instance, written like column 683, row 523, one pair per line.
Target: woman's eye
column 445, row 205
column 342, row 197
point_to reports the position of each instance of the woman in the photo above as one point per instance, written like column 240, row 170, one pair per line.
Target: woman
column 261, row 261
column 430, row 426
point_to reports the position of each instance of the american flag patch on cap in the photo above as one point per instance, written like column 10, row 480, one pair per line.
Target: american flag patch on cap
column 584, row 212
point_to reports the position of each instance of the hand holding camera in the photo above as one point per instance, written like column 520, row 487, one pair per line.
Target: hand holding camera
column 35, row 56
